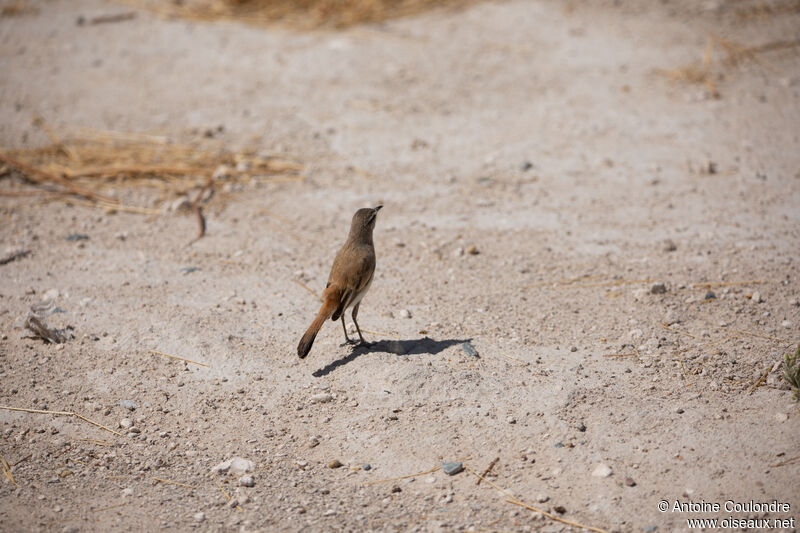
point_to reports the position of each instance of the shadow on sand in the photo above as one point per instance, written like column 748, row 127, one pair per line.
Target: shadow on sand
column 424, row 345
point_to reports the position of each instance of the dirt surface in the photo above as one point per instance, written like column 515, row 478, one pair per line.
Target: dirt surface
column 541, row 137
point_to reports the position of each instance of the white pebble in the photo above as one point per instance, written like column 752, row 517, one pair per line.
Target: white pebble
column 404, row 313
column 602, row 470
column 247, row 481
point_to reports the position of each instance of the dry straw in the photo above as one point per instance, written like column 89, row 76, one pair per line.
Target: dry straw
column 303, row 14
column 62, row 413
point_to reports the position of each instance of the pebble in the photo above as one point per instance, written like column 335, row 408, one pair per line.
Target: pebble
column 452, row 468
column 77, row 237
column 322, row 397
column 658, row 288
column 650, row 528
column 329, row 512
column 189, row 270
column 70, row 529
column 366, row 466
column 511, row 420
column 130, row 405
column 458, row 252
column 560, row 509
column 127, row 492
column 199, row 517
column 781, row 417
column 629, row 482
column 679, row 410
column 786, row 324
column 404, row 313
column 541, row 498
column 335, row 464
column 710, row 295
column 313, row 442
column 472, row 250
column 236, row 465
column 126, row 423
column 222, row 172
column 247, row 481
column 469, row 349
column 670, row 246
column 756, row 297
column 526, row 165
column 580, row 426
column 602, row 470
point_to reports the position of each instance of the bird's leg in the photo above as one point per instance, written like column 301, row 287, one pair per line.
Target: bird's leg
column 360, row 336
column 348, row 340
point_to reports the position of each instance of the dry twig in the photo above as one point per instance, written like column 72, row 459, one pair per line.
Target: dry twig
column 63, row 413
column 179, row 358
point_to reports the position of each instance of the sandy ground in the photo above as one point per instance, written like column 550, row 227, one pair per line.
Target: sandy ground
column 632, row 180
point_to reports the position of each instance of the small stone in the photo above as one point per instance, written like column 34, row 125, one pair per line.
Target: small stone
column 452, row 468
column 472, row 250
column 525, row 166
column 469, row 349
column 336, row 463
column 126, row 423
column 70, row 529
column 313, row 442
column 222, row 172
column 658, row 288
column 786, row 324
column 629, row 482
column 77, row 237
column 247, row 481
column 670, row 246
column 580, row 426
column 560, row 509
column 710, row 295
column 650, row 528
column 130, row 405
column 396, row 489
column 511, row 420
column 602, row 470
column 541, row 498
column 127, row 492
column 558, row 445
column 756, row 297
column 679, row 410
column 781, row 417
column 458, row 252
column 366, row 466
column 404, row 313
column 236, row 465
column 322, row 397
column 199, row 517
column 329, row 512
column 189, row 270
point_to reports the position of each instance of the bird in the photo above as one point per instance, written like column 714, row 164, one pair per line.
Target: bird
column 349, row 280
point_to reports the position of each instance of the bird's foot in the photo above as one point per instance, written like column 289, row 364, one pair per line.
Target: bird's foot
column 349, row 342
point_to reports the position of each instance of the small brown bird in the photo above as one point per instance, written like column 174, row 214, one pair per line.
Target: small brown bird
column 349, row 280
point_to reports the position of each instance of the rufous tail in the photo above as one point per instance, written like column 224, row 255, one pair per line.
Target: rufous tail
column 325, row 312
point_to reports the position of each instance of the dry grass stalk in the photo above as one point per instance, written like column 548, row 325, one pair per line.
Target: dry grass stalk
column 303, row 14
column 63, row 413
column 7, row 470
column 666, row 326
column 486, row 472
column 611, row 283
column 628, row 354
column 787, row 461
column 554, row 517
column 727, row 283
column 760, row 380
column 169, row 482
column 179, row 358
column 510, row 499
column 225, row 493
column 375, row 482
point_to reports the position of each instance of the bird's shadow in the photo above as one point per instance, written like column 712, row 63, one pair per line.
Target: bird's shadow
column 424, row 345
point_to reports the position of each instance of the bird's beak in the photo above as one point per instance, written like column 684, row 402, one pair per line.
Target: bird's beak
column 378, row 208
